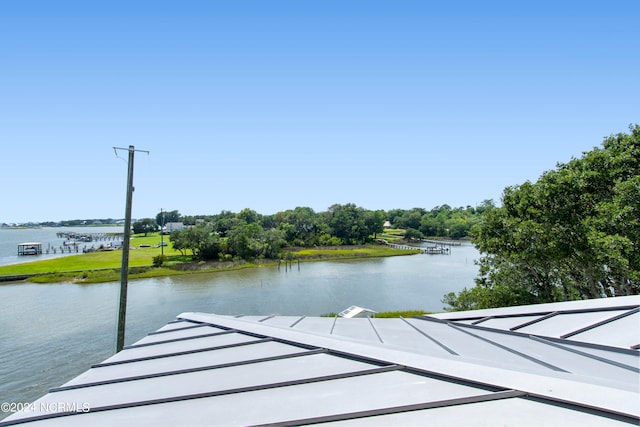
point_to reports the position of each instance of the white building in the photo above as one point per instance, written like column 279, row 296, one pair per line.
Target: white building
column 170, row 227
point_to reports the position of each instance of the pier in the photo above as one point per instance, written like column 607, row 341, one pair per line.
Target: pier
column 430, row 250
column 442, row 242
column 89, row 237
column 73, row 243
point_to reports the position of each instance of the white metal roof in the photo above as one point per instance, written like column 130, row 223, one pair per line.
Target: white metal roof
column 494, row 367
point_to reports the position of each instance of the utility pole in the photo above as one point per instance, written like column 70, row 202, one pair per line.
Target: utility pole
column 124, row 269
column 162, row 233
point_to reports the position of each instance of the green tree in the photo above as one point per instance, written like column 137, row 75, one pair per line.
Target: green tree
column 272, row 243
column 245, row 241
column 300, row 226
column 146, row 226
column 348, row 223
column 572, row 234
column 225, row 221
column 200, row 239
column 249, row 216
column 180, row 241
column 413, row 234
column 374, row 222
column 165, row 217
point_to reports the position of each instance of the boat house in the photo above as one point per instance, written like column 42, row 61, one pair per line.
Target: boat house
column 30, row 248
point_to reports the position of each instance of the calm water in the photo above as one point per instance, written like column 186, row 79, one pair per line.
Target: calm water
column 10, row 238
column 51, row 333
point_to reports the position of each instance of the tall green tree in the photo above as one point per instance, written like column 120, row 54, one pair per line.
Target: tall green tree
column 200, row 239
column 146, row 226
column 347, row 223
column 164, row 217
column 245, row 240
column 301, row 226
column 571, row 235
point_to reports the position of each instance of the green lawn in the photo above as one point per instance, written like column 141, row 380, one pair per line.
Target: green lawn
column 351, row 252
column 105, row 265
column 138, row 257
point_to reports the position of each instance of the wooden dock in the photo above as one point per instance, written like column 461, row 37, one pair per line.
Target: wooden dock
column 89, row 237
column 442, row 242
column 430, row 250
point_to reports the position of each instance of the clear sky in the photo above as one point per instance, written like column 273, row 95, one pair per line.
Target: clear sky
column 272, row 104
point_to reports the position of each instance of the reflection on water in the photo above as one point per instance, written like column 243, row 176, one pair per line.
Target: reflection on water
column 51, row 333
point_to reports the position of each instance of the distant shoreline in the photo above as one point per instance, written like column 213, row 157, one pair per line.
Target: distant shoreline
column 105, row 267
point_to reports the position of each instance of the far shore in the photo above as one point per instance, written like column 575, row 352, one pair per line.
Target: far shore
column 97, row 267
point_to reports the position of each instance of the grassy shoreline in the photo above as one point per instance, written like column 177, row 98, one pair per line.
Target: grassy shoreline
column 104, row 266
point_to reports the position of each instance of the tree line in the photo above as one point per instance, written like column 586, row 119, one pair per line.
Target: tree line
column 250, row 235
column 573, row 234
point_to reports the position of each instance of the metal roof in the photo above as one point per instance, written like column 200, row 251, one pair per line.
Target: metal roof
column 564, row 364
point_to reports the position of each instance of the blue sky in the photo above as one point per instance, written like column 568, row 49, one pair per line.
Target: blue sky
column 270, row 105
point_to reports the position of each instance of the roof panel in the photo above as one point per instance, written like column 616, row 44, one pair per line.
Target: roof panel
column 465, row 344
column 179, row 346
column 260, row 370
column 283, row 403
column 314, row 325
column 550, row 358
column 615, row 333
column 208, row 381
column 402, row 334
column 176, row 334
column 508, row 412
column 282, row 321
column 505, row 323
column 179, row 324
column 562, row 324
column 189, row 361
column 355, row 328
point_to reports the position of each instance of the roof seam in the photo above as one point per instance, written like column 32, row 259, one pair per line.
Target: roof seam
column 375, row 330
column 510, row 350
column 450, row 351
column 542, row 313
column 398, row 409
column 583, row 407
column 372, row 371
column 482, row 320
column 333, row 325
column 190, row 370
column 585, row 354
column 166, row 331
column 603, row 322
column 297, row 321
column 534, row 321
column 182, row 353
column 213, row 334
column 522, row 334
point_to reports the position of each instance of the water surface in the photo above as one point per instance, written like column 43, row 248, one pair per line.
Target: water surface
column 51, row 333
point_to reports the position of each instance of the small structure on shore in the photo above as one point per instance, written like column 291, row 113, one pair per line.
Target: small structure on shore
column 355, row 311
column 30, row 248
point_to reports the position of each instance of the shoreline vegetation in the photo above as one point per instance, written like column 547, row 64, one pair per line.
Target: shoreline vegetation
column 104, row 266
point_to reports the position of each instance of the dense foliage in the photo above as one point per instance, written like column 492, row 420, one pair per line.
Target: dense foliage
column 250, row 235
column 441, row 221
column 573, row 234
